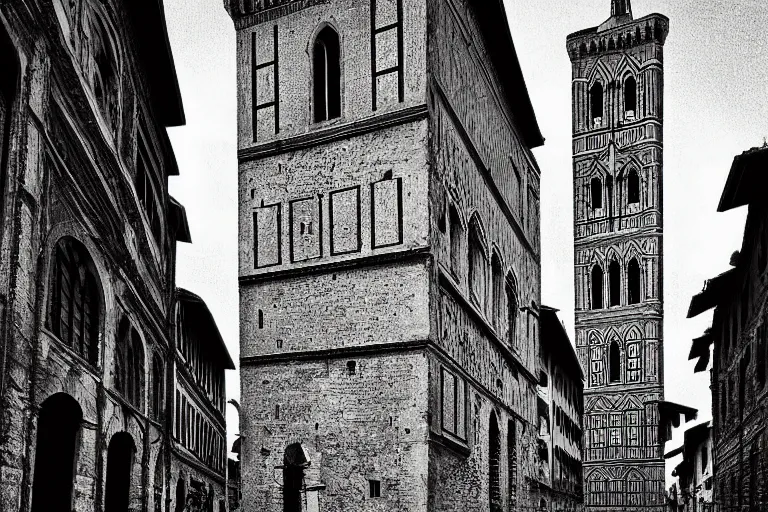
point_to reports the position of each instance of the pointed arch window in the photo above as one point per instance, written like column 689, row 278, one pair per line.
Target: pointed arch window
column 614, row 279
column 596, row 193
column 633, row 281
column 498, row 292
column 326, row 76
column 630, row 97
column 633, row 187
column 74, row 308
column 597, row 287
column 512, row 310
column 477, row 266
column 614, row 358
column 596, row 104
column 129, row 364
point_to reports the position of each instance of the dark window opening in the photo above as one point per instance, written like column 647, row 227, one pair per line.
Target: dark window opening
column 512, row 310
column 158, row 386
column 326, row 75
column 630, row 97
column 494, row 465
column 159, row 489
column 498, row 293
column 261, row 319
column 74, row 309
column 597, row 287
column 295, row 461
column 596, row 193
column 129, row 364
column 633, row 281
column 120, row 456
column 614, row 278
column 456, row 236
column 181, row 495
column 55, row 457
column 477, row 267
column 633, row 187
column 374, row 488
column 615, row 362
column 147, row 190
column 103, row 73
column 596, row 103
column 351, row 367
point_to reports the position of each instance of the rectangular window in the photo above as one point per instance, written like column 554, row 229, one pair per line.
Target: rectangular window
column 146, row 188
column 453, row 405
column 374, row 488
column 265, row 84
column 633, row 362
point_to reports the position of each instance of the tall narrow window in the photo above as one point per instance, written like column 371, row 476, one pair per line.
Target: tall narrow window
column 494, row 463
column 596, row 104
column 596, row 193
column 158, row 481
column 102, row 71
column 630, row 97
column 633, row 281
column 326, row 75
column 597, row 287
column 477, row 266
column 512, row 463
column 615, row 362
column 158, row 386
column 633, row 187
column 456, row 237
column 498, row 293
column 120, row 455
column 512, row 309
column 614, row 279
column 74, row 308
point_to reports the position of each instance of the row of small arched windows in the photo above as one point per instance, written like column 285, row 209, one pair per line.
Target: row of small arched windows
column 597, row 101
column 615, row 283
column 596, row 189
column 75, row 317
column 622, row 40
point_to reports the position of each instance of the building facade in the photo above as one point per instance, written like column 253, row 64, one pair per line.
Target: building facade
column 561, row 398
column 693, row 489
column 389, row 257
column 617, row 163
column 88, row 238
column 739, row 337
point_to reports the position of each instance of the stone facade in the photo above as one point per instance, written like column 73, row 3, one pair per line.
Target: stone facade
column 561, row 398
column 693, row 490
column 739, row 334
column 389, row 258
column 617, row 164
column 88, row 363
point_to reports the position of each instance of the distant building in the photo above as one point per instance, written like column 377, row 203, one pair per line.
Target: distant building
column 389, row 257
column 93, row 361
column 561, row 395
column 739, row 336
column 693, row 489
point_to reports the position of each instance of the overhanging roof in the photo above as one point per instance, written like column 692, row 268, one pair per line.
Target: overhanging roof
column 555, row 340
column 747, row 181
column 205, row 321
column 495, row 27
column 714, row 291
column 700, row 349
column 149, row 27
column 177, row 221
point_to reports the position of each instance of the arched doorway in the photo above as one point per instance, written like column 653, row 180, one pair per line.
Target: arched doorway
column 295, row 461
column 181, row 494
column 119, row 463
column 58, row 427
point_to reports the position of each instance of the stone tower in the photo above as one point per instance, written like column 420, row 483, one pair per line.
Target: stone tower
column 618, row 85
column 389, row 258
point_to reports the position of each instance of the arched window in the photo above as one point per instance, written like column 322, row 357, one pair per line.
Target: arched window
column 477, row 265
column 457, row 233
column 181, row 494
column 597, row 287
column 55, row 456
column 120, row 455
column 494, row 463
column 129, row 364
column 512, row 309
column 633, row 187
column 158, row 385
column 630, row 97
column 596, row 193
column 498, row 293
column 614, row 280
column 596, row 103
column 615, row 362
column 74, row 308
column 102, row 70
column 633, row 281
column 326, row 75
column 295, row 460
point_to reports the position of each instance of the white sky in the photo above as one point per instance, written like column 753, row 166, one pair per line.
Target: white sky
column 716, row 63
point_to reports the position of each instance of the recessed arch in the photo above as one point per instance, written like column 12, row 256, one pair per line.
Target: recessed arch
column 597, row 287
column 120, row 459
column 596, row 193
column 477, row 259
column 633, row 186
column 596, row 98
column 58, row 432
column 130, row 363
column 614, row 362
column 326, row 74
column 614, row 282
column 633, row 281
column 630, row 96
column 498, row 290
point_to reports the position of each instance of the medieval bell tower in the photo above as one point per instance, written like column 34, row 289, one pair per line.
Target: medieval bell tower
column 618, row 85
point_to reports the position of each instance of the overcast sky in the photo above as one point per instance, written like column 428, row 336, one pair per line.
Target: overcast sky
column 716, row 106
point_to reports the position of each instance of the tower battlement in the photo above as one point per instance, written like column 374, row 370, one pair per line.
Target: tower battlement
column 611, row 37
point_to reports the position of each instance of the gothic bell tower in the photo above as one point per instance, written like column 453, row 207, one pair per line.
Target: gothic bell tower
column 617, row 111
